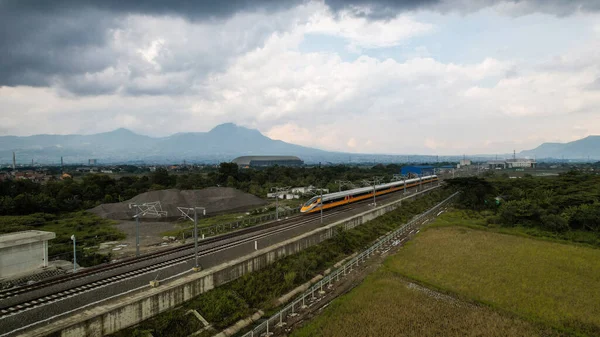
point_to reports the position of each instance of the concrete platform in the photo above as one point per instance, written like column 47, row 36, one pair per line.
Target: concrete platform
column 23, row 252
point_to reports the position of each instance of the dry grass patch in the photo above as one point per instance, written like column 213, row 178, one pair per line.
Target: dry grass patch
column 387, row 305
column 557, row 284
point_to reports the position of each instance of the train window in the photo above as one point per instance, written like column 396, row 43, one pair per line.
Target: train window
column 311, row 201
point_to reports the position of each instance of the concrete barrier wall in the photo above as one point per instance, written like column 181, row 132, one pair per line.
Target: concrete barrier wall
column 133, row 309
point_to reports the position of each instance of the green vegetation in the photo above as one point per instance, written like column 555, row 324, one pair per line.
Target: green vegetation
column 386, row 305
column 240, row 298
column 89, row 229
column 547, row 282
column 568, row 205
column 22, row 197
column 485, row 220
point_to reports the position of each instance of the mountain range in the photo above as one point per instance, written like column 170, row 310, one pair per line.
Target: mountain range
column 588, row 147
column 222, row 143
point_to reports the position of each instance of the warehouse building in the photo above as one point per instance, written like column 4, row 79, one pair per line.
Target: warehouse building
column 265, row 161
column 421, row 170
column 511, row 163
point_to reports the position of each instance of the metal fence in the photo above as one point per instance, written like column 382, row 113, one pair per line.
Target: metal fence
column 308, row 297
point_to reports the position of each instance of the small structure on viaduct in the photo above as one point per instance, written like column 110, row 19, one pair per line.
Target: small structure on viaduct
column 23, row 252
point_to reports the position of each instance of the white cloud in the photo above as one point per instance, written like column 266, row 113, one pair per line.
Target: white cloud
column 364, row 33
column 174, row 75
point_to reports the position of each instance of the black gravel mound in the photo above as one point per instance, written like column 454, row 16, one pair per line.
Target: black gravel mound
column 216, row 200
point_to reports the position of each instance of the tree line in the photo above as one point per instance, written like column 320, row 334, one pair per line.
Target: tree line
column 567, row 202
column 22, row 197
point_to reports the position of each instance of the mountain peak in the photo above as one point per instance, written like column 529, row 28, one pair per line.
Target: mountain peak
column 228, row 129
column 122, row 131
column 225, row 127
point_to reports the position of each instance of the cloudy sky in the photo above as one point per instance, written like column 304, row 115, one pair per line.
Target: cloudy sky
column 379, row 76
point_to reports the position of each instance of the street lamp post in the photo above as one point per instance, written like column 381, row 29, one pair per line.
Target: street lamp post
column 74, row 253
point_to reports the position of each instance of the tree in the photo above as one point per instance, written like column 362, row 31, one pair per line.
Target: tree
column 227, row 170
column 161, row 177
column 555, row 223
column 474, row 191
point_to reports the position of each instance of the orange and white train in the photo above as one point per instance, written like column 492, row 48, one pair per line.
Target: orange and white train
column 336, row 199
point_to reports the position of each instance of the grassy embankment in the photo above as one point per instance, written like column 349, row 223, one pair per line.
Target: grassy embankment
column 242, row 297
column 540, row 283
column 89, row 229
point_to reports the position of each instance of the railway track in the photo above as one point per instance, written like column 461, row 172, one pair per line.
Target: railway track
column 7, row 293
column 13, row 309
column 10, row 309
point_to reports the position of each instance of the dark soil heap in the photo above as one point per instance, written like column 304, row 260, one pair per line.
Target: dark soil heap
column 215, row 199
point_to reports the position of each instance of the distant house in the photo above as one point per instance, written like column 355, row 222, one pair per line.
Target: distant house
column 37, row 177
column 265, row 161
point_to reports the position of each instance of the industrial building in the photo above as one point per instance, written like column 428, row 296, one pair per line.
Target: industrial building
column 265, row 161
column 511, row 163
column 421, row 170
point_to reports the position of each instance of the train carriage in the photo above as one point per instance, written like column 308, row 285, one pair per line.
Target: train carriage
column 336, row 199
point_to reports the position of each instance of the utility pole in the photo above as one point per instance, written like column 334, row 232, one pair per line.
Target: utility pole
column 152, row 208
column 321, row 202
column 137, row 234
column 278, row 191
column 400, row 177
column 197, row 268
column 318, row 193
column 342, row 183
column 74, row 253
column 373, row 181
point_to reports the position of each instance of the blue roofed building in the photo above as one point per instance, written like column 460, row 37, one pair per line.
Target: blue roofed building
column 424, row 170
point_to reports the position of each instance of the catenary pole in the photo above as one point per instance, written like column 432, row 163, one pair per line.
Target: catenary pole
column 74, row 253
column 321, row 201
column 137, row 235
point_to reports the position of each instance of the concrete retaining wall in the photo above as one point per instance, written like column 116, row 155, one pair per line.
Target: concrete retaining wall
column 130, row 310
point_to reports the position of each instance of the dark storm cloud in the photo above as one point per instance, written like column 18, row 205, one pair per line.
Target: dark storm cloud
column 383, row 9
column 43, row 39
column 35, row 45
column 48, row 42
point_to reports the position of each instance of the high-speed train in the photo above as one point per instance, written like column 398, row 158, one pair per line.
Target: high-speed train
column 336, row 199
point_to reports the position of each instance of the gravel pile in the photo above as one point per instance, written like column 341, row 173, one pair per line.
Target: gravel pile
column 215, row 199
